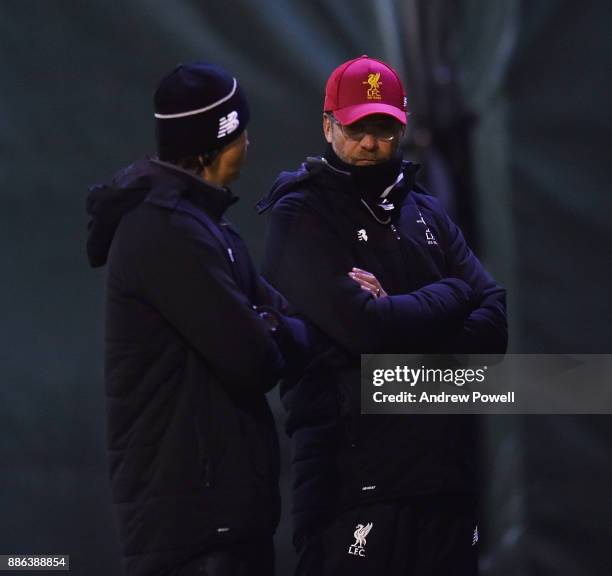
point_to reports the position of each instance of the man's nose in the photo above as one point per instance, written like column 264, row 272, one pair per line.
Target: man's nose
column 369, row 142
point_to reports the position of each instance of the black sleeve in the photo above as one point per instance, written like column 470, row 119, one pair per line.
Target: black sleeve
column 309, row 263
column 299, row 340
column 485, row 330
column 188, row 280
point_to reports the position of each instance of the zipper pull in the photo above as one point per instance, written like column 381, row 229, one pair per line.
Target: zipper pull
column 230, row 254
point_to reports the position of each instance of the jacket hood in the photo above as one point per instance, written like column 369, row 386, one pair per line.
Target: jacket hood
column 317, row 167
column 149, row 180
column 284, row 183
column 107, row 203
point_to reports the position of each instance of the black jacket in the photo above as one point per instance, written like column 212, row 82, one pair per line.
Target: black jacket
column 192, row 446
column 440, row 299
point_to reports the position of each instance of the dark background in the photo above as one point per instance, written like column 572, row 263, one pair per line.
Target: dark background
column 510, row 105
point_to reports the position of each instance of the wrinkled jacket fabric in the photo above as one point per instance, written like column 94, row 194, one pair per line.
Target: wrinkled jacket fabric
column 191, row 441
column 441, row 300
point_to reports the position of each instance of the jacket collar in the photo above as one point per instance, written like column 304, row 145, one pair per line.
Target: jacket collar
column 175, row 183
column 316, row 173
column 324, row 173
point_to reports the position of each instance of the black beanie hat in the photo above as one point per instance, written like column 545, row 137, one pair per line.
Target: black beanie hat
column 198, row 108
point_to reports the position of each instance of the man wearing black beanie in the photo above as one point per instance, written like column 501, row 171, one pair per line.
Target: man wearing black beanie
column 194, row 340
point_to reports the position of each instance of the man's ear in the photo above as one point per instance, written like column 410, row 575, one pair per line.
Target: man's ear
column 209, row 158
column 327, row 128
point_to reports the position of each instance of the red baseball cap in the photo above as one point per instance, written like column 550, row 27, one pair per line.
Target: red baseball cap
column 364, row 86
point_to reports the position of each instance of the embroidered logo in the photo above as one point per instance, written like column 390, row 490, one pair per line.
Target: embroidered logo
column 475, row 536
column 227, row 124
column 361, row 531
column 431, row 239
column 362, row 235
column 374, row 82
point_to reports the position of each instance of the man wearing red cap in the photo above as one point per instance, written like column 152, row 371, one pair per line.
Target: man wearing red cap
column 377, row 494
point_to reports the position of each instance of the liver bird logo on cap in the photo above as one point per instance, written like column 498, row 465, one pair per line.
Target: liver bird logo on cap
column 374, row 90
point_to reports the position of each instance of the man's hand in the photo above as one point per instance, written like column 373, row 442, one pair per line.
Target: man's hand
column 269, row 316
column 368, row 282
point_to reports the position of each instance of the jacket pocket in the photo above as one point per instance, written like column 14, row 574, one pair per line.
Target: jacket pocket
column 215, row 422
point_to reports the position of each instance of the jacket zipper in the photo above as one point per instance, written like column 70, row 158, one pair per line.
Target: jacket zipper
column 395, row 232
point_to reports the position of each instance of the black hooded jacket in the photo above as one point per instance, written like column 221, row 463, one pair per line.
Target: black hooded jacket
column 441, row 300
column 192, row 446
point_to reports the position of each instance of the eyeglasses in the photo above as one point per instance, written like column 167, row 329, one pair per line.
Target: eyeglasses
column 384, row 129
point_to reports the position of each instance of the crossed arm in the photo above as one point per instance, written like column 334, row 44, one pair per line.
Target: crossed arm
column 309, row 264
column 485, row 329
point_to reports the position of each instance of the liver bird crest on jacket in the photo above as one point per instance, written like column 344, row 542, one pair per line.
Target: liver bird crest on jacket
column 360, row 534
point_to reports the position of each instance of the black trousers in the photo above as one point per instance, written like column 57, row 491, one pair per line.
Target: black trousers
column 254, row 558
column 432, row 537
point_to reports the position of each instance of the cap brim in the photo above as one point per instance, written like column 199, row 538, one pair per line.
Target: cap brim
column 352, row 114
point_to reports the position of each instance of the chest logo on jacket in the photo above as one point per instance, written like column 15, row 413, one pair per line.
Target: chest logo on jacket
column 361, row 531
column 431, row 239
column 362, row 235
